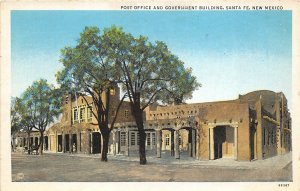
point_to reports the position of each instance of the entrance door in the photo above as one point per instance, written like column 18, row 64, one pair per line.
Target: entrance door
column 252, row 141
column 74, row 143
column 96, row 143
column 219, row 138
column 36, row 141
column 59, row 140
column 46, row 143
column 67, row 142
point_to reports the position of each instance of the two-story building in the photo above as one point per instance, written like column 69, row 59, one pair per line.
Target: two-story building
column 257, row 125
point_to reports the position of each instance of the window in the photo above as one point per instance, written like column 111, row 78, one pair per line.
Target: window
column 75, row 115
column 82, row 114
column 126, row 113
column 123, row 138
column 167, row 139
column 90, row 112
column 153, row 139
column 112, row 91
column 66, row 99
column 132, row 138
column 148, row 135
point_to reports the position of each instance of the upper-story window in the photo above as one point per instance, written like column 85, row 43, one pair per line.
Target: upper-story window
column 82, row 114
column 112, row 91
column 66, row 99
column 90, row 112
column 126, row 113
column 75, row 115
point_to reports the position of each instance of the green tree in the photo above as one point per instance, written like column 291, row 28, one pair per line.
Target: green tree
column 150, row 73
column 40, row 107
column 20, row 119
column 14, row 120
column 88, row 70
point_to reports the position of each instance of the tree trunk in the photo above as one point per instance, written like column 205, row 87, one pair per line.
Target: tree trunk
column 142, row 147
column 105, row 137
column 41, row 145
column 138, row 113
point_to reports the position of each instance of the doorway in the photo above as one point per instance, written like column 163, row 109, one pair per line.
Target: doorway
column 59, row 143
column 223, row 142
column 96, row 140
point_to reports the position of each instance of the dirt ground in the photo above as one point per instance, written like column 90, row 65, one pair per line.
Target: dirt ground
column 89, row 168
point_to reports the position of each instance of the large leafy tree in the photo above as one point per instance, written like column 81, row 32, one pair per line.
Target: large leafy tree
column 88, row 70
column 40, row 105
column 21, row 119
column 15, row 119
column 150, row 73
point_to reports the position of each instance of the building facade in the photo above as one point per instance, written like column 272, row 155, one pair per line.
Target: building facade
column 257, row 125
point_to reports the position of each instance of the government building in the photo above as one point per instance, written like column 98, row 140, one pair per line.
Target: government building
column 254, row 126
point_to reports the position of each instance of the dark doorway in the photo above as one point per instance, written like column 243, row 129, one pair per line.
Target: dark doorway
column 46, row 143
column 59, row 143
column 252, row 141
column 74, row 143
column 219, row 138
column 67, row 142
column 96, row 147
column 36, row 141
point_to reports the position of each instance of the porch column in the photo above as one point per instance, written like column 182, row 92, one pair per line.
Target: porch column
column 78, row 141
column 177, row 152
column 197, row 143
column 56, row 142
column 70, row 142
column 117, row 141
column 114, row 143
column 89, row 141
column 127, row 143
column 193, row 143
column 172, row 142
column 235, row 143
column 190, row 142
column 158, row 143
column 211, row 144
column 63, row 142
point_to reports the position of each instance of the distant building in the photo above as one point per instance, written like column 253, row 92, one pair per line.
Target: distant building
column 257, row 125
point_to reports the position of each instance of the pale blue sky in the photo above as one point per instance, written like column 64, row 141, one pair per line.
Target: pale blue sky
column 231, row 52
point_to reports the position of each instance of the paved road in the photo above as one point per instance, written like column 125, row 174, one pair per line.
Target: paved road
column 82, row 168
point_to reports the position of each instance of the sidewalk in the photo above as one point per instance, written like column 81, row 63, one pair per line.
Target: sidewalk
column 276, row 162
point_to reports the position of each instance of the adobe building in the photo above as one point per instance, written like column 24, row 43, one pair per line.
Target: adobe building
column 257, row 125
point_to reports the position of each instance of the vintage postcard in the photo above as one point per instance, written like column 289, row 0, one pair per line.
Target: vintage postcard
column 153, row 95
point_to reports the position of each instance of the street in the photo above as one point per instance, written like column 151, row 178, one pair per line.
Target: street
column 53, row 167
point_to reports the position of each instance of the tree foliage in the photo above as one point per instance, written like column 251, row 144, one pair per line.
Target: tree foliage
column 39, row 106
column 88, row 70
column 149, row 73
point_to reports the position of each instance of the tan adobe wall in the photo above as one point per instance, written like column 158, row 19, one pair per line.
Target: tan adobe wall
column 227, row 114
